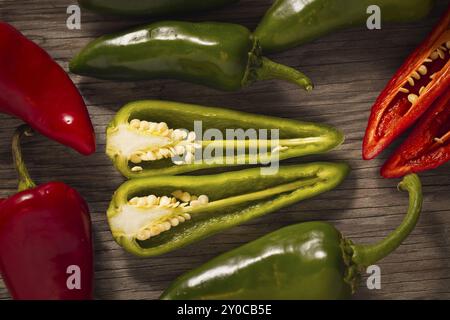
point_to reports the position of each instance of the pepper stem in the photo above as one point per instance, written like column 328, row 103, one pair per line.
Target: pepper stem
column 366, row 255
column 25, row 181
column 272, row 70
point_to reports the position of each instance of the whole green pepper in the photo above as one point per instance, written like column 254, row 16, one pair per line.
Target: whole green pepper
column 305, row 261
column 151, row 8
column 144, row 138
column 152, row 216
column 218, row 55
column 290, row 23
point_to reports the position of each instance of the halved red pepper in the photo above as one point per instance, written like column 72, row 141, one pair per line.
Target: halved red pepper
column 427, row 147
column 416, row 85
column 36, row 89
column 45, row 239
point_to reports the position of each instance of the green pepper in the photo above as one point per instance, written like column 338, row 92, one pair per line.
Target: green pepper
column 146, row 137
column 305, row 261
column 151, row 8
column 219, row 55
column 289, row 23
column 152, row 216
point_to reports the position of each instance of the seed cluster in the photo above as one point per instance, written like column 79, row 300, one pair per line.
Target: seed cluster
column 180, row 199
column 439, row 53
column 182, row 143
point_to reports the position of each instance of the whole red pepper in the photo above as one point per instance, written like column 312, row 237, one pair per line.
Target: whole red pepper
column 36, row 89
column 45, row 239
column 427, row 147
column 422, row 78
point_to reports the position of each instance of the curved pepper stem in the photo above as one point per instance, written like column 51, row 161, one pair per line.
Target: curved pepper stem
column 366, row 255
column 25, row 181
column 272, row 70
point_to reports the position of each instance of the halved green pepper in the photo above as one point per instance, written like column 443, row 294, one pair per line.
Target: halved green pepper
column 290, row 23
column 152, row 216
column 305, row 261
column 145, row 137
column 151, row 8
column 219, row 55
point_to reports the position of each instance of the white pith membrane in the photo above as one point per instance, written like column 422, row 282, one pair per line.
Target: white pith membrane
column 141, row 141
column 146, row 217
column 426, row 73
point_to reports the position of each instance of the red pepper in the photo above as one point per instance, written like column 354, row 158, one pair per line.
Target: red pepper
column 422, row 78
column 36, row 89
column 428, row 145
column 45, row 239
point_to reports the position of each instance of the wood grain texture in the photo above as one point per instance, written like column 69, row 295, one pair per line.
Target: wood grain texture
column 349, row 69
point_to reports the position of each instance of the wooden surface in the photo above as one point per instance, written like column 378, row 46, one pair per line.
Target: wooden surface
column 349, row 69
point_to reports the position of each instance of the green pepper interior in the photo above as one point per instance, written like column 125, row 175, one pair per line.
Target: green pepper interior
column 229, row 188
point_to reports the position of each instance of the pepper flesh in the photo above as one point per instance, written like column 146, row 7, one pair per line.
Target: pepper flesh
column 124, row 141
column 305, row 261
column 420, row 80
column 428, row 145
column 151, row 8
column 219, row 55
column 36, row 89
column 44, row 230
column 290, row 23
column 233, row 198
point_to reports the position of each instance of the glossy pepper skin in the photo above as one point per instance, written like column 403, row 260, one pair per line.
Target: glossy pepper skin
column 234, row 198
column 428, row 145
column 43, row 231
column 423, row 78
column 151, row 8
column 290, row 23
column 36, row 89
column 305, row 261
column 297, row 138
column 219, row 55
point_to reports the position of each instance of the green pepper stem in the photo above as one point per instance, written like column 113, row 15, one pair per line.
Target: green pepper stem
column 366, row 255
column 272, row 70
column 25, row 181
column 254, row 196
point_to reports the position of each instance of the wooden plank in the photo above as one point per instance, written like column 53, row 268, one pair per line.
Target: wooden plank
column 349, row 69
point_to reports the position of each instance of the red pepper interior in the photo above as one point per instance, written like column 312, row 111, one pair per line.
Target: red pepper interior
column 400, row 104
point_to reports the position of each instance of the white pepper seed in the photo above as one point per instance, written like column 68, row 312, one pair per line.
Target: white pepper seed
column 412, row 98
column 423, row 70
column 185, row 197
column 135, row 123
column 164, row 201
column 203, row 199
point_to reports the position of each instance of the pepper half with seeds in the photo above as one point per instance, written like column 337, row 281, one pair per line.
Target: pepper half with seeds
column 153, row 216
column 219, row 55
column 310, row 260
column 428, row 145
column 148, row 138
column 423, row 78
